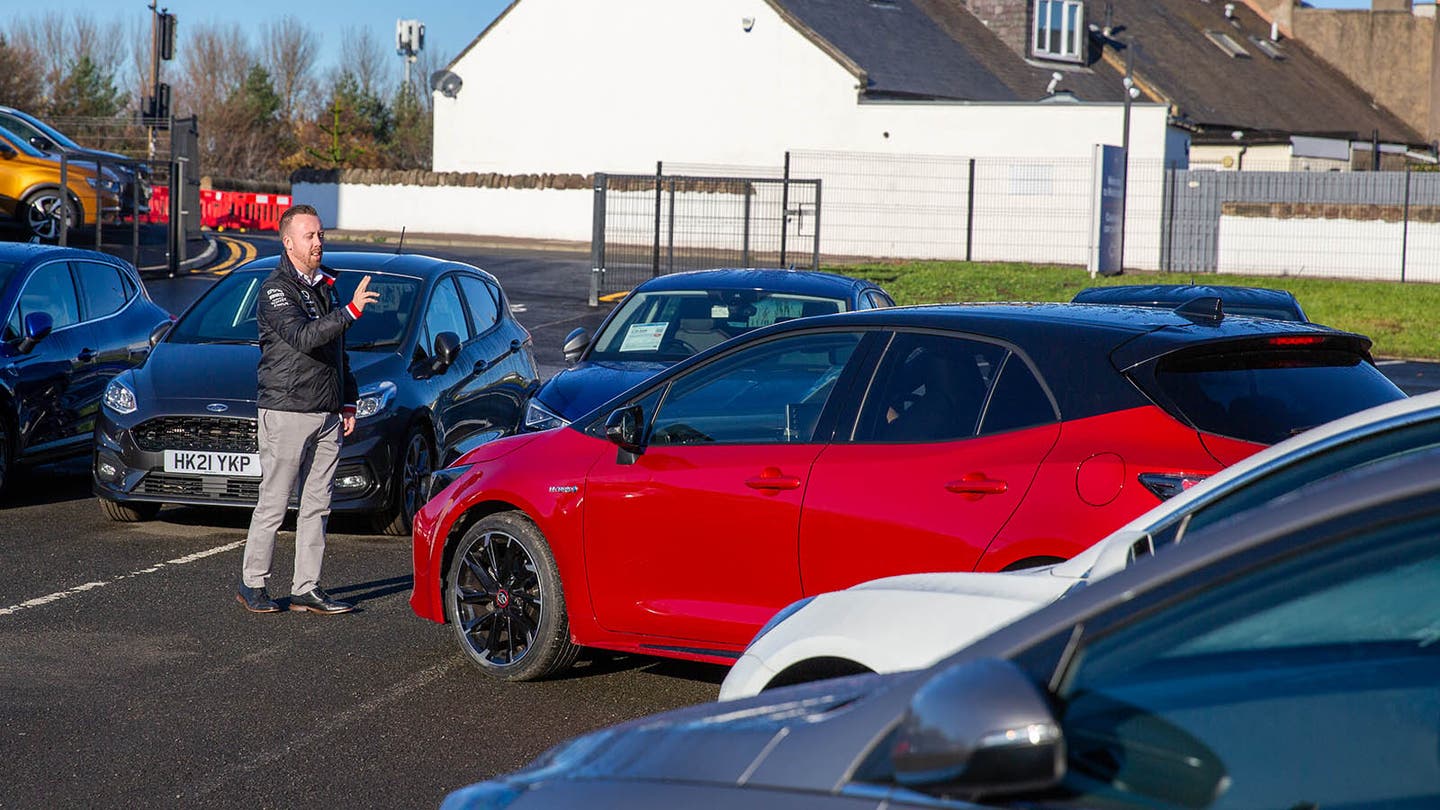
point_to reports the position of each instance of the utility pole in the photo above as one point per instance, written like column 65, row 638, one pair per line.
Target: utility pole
column 1131, row 92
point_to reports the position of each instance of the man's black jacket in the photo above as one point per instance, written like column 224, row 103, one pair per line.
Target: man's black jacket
column 303, row 366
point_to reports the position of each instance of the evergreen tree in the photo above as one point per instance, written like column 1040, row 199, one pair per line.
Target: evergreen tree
column 86, row 91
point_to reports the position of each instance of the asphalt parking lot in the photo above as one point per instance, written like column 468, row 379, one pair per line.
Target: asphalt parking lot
column 132, row 678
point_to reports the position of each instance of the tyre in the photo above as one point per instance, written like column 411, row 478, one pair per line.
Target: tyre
column 6, row 458
column 129, row 512
column 504, row 602
column 45, row 210
column 416, row 462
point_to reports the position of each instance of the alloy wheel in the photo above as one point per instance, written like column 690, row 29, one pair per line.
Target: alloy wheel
column 498, row 599
column 419, row 462
column 44, row 214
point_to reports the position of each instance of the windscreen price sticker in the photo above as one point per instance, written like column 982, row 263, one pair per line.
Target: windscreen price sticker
column 200, row 462
column 643, row 337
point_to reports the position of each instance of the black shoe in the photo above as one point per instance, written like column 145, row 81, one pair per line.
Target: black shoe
column 317, row 601
column 256, row 600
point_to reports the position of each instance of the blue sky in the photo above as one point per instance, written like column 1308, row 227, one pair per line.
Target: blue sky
column 450, row 25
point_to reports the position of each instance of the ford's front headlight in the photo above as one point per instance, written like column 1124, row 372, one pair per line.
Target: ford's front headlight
column 539, row 417
column 119, row 398
column 374, row 399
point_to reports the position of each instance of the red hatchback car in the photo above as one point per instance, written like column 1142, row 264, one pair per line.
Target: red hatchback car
column 821, row 452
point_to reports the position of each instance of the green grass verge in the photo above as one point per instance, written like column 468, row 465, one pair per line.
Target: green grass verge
column 1402, row 319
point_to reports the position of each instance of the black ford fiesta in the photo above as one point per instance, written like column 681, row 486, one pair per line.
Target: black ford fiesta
column 439, row 361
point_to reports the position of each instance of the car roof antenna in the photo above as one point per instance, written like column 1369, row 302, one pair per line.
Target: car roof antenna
column 400, row 246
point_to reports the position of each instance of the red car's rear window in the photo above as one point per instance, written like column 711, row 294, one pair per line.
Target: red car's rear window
column 1269, row 394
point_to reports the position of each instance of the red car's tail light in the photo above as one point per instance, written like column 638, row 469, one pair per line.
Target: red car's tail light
column 1167, row 485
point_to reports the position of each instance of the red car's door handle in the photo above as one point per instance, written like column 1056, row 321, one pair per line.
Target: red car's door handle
column 976, row 485
column 771, row 478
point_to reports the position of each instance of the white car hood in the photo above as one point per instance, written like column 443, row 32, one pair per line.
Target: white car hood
column 1038, row 585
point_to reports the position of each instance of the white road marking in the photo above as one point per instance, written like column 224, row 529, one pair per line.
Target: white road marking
column 90, row 586
column 1390, row 362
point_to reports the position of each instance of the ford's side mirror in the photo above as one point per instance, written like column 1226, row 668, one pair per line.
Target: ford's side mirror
column 160, row 331
column 575, row 344
column 37, row 328
column 978, row 728
column 625, row 428
column 447, row 348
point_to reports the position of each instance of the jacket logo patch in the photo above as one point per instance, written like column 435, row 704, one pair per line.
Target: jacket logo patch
column 277, row 298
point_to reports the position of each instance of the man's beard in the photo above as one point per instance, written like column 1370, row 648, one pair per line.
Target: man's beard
column 307, row 261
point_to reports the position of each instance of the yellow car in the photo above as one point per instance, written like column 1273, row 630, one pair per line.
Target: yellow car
column 30, row 190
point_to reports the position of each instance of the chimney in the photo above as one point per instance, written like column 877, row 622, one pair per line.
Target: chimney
column 1007, row 19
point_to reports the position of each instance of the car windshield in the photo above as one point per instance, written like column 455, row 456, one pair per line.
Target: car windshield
column 670, row 325
column 227, row 313
column 1268, row 395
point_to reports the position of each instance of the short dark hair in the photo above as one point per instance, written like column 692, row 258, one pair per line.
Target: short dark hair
column 295, row 211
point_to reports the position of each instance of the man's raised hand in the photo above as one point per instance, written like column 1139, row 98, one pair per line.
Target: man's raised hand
column 364, row 295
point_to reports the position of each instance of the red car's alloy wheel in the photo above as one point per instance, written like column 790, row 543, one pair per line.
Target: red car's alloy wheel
column 503, row 599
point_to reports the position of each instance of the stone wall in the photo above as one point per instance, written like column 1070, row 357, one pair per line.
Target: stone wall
column 420, row 177
column 1009, row 19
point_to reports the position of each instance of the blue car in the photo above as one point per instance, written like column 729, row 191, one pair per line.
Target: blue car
column 1254, row 302
column 672, row 317
column 73, row 320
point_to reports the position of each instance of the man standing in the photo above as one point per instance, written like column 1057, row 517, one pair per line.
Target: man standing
column 306, row 399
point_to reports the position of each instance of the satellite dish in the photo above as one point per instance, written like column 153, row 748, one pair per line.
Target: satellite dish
column 445, row 83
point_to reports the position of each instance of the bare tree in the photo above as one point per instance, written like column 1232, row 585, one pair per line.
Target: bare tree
column 47, row 34
column 365, row 60
column 20, row 79
column 426, row 64
column 213, row 65
column 289, row 47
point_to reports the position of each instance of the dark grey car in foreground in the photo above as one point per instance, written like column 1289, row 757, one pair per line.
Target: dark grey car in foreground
column 1286, row 658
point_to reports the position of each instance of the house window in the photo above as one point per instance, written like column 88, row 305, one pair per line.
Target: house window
column 1060, row 29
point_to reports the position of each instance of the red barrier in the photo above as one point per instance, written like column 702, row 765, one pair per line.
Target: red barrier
column 226, row 210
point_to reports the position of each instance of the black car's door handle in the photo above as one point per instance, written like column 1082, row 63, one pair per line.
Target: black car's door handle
column 86, row 355
column 482, row 365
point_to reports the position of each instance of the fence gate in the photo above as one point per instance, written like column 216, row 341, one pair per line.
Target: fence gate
column 650, row 225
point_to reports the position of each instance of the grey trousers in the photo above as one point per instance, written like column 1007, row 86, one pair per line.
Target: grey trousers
column 294, row 447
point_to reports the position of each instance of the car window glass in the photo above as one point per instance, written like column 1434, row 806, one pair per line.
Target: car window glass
column 383, row 323
column 1268, row 395
column 481, row 299
column 1319, row 671
column 765, row 394
column 51, row 289
column 102, row 288
column 446, row 314
column 225, row 313
column 670, row 325
column 878, row 300
column 928, row 388
column 1018, row 401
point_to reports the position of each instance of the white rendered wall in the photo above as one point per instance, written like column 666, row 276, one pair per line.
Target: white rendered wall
column 524, row 213
column 582, row 86
column 1330, row 248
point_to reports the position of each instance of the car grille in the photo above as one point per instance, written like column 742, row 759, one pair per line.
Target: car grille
column 225, row 435
column 200, row 486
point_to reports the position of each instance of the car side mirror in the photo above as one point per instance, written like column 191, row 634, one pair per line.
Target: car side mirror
column 575, row 344
column 625, row 428
column 977, row 728
column 37, row 328
column 42, row 143
column 160, row 331
column 447, row 348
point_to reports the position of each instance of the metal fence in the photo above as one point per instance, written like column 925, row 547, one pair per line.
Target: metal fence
column 1376, row 225
column 650, row 225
